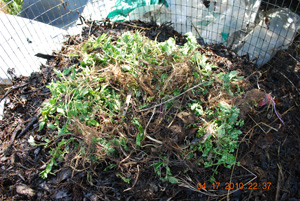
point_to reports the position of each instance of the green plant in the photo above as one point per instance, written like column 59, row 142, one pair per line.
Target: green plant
column 219, row 137
column 140, row 135
column 123, row 178
column 228, row 79
column 90, row 101
column 74, row 97
column 132, row 48
column 163, row 171
column 77, row 99
column 57, row 154
column 196, row 106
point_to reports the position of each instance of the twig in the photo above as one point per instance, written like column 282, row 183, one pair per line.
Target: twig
column 127, row 102
column 270, row 127
column 278, row 183
column 138, row 174
column 294, row 59
column 228, row 192
column 250, row 173
column 175, row 115
column 250, row 194
column 91, row 28
column 157, row 36
column 12, row 139
column 145, row 130
column 174, row 97
column 257, row 124
column 33, row 120
column 125, row 159
column 290, row 82
column 11, row 90
column 189, row 183
column 154, row 140
column 257, row 77
column 236, row 155
column 196, row 30
column 245, row 183
column 287, row 110
column 134, row 26
column 283, row 113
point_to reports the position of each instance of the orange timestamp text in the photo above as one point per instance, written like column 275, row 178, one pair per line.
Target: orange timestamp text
column 235, row 185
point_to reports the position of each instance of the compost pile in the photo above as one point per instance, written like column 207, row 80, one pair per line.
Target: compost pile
column 137, row 111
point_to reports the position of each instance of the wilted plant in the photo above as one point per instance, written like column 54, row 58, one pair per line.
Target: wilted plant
column 90, row 102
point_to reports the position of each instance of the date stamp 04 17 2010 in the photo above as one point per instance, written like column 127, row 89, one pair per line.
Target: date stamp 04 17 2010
column 237, row 185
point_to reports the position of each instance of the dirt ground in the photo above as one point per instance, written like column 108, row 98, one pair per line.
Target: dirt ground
column 268, row 152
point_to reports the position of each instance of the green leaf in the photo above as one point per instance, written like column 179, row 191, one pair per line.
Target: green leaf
column 31, row 141
column 157, row 165
column 123, row 178
column 138, row 140
column 48, row 169
column 67, row 71
column 93, row 122
column 60, row 110
column 212, row 179
column 197, row 108
column 196, row 75
column 85, row 91
column 57, row 72
column 73, row 74
column 176, row 92
column 52, row 101
column 126, row 68
column 109, row 167
column 46, row 140
column 51, row 126
column 172, row 180
column 42, row 125
column 62, row 130
column 163, row 77
column 143, row 106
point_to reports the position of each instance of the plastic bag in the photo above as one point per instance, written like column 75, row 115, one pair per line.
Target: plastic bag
column 229, row 17
column 186, row 13
column 157, row 13
column 124, row 7
column 274, row 32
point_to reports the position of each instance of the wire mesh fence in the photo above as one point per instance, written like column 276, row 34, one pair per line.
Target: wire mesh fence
column 31, row 28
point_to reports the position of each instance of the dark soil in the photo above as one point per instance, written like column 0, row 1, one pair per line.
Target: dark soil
column 269, row 151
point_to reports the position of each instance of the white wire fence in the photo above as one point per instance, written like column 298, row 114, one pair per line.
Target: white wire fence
column 255, row 27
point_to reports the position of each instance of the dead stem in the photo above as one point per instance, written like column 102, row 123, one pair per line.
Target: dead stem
column 257, row 124
column 138, row 174
column 278, row 182
column 173, row 97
